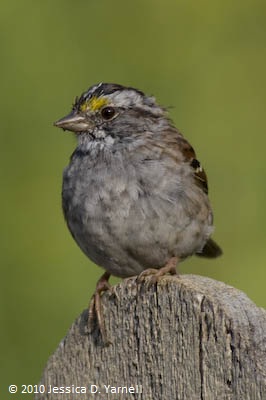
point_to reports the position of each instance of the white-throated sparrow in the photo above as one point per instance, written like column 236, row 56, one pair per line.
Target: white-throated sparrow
column 134, row 195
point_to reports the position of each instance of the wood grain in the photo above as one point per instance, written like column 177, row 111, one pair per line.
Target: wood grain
column 185, row 338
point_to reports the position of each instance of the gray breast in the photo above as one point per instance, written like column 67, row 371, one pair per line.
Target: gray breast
column 127, row 216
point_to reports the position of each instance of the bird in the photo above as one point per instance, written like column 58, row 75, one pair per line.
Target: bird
column 134, row 195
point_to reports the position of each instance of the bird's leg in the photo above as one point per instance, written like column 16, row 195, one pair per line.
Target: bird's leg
column 95, row 306
column 154, row 274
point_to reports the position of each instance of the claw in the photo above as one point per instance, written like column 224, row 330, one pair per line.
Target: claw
column 146, row 273
column 154, row 274
column 95, row 307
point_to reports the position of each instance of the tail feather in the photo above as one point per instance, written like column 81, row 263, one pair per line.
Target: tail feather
column 210, row 250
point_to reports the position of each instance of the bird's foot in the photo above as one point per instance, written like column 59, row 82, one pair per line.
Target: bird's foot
column 152, row 275
column 95, row 307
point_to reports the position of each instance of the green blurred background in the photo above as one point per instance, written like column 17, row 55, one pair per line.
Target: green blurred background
column 204, row 59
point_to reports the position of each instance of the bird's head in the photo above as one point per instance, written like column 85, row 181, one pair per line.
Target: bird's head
column 114, row 111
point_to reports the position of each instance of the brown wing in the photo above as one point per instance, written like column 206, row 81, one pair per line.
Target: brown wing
column 172, row 144
column 190, row 156
column 200, row 175
column 211, row 248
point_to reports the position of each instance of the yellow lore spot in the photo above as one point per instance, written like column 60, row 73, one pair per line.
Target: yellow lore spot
column 93, row 104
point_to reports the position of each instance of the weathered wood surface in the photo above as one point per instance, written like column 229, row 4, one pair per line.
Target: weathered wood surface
column 187, row 338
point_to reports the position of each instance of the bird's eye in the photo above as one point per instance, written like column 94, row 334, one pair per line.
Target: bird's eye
column 108, row 113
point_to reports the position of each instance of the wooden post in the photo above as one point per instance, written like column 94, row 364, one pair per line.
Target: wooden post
column 185, row 338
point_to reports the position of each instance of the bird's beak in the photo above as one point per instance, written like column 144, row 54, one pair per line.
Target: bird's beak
column 73, row 122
